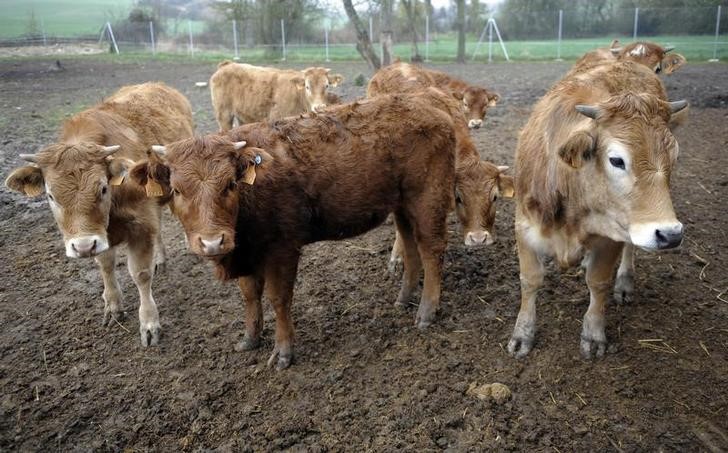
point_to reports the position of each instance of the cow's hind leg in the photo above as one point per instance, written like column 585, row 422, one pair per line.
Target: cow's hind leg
column 112, row 293
column 251, row 288
column 412, row 262
column 141, row 269
column 603, row 256
column 531, row 276
column 624, row 285
column 397, row 255
column 280, row 277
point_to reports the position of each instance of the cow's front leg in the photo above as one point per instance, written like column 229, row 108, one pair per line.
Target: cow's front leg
column 280, row 277
column 531, row 276
column 602, row 258
column 251, row 288
column 160, row 253
column 141, row 269
column 112, row 293
column 624, row 285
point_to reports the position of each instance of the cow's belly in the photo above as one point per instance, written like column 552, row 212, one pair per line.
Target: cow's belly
column 344, row 223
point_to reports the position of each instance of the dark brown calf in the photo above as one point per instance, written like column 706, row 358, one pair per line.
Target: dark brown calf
column 251, row 208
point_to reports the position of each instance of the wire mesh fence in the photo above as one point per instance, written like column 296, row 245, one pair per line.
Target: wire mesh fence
column 698, row 33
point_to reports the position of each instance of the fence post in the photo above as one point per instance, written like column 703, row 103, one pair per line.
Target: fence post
column 326, row 41
column 371, row 29
column 192, row 45
column 561, row 22
column 427, row 36
column 42, row 30
column 490, row 40
column 151, row 36
column 235, row 39
column 636, row 22
column 113, row 40
column 283, row 39
column 717, row 34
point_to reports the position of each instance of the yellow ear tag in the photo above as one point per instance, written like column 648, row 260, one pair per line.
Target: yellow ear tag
column 33, row 191
column 249, row 176
column 117, row 180
column 153, row 188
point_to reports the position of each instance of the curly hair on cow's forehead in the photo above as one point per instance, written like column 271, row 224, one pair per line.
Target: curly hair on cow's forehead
column 200, row 146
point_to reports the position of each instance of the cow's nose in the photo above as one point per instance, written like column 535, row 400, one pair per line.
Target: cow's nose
column 212, row 245
column 318, row 107
column 478, row 237
column 84, row 246
column 475, row 124
column 669, row 237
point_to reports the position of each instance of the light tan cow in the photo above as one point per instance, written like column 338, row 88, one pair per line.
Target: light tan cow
column 95, row 205
column 402, row 77
column 593, row 169
column 253, row 93
column 652, row 55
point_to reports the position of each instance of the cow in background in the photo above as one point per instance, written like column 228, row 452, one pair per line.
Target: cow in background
column 593, row 168
column 95, row 205
column 649, row 54
column 253, row 93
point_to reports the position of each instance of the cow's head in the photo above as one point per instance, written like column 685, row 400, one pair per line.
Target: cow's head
column 651, row 55
column 206, row 177
column 314, row 82
column 478, row 186
column 625, row 156
column 78, row 180
column 476, row 101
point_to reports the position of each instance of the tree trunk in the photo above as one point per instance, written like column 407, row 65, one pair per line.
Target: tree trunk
column 385, row 35
column 363, row 44
column 461, row 30
column 409, row 6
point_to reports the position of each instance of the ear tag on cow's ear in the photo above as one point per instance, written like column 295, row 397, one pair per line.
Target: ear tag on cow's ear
column 153, row 188
column 117, row 180
column 249, row 176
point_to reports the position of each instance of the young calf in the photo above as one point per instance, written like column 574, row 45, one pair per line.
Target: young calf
column 329, row 176
column 96, row 209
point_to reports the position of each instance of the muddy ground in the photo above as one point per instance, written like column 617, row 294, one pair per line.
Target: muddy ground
column 365, row 378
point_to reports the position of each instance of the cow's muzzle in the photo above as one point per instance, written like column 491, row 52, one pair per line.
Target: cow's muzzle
column 657, row 236
column 478, row 237
column 212, row 245
column 475, row 124
column 86, row 246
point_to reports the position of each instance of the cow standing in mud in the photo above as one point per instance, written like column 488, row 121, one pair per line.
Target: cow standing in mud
column 94, row 204
column 593, row 169
column 404, row 77
column 252, row 93
column 251, row 208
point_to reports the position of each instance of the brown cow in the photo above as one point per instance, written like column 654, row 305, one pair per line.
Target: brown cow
column 251, row 209
column 403, row 77
column 478, row 183
column 647, row 53
column 95, row 206
column 593, row 169
column 252, row 93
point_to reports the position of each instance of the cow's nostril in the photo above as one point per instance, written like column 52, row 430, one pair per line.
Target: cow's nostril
column 222, row 238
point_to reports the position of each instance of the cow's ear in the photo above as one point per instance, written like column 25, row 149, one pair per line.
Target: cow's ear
column 253, row 163
column 671, row 62
column 153, row 176
column 580, row 147
column 298, row 82
column 493, row 99
column 118, row 169
column 458, row 94
column 506, row 186
column 27, row 180
column 335, row 79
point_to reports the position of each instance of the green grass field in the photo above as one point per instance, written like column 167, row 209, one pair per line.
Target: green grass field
column 59, row 17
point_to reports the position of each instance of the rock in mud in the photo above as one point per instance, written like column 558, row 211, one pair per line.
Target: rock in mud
column 496, row 392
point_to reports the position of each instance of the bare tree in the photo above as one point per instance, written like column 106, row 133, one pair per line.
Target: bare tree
column 409, row 6
column 363, row 43
column 460, row 23
column 385, row 35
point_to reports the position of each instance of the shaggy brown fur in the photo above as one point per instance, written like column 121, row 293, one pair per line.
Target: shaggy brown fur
column 252, row 93
column 646, row 53
column 322, row 176
column 86, row 185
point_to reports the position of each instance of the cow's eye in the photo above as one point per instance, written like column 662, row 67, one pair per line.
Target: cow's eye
column 104, row 189
column 458, row 198
column 617, row 162
column 50, row 197
column 495, row 197
column 231, row 186
column 175, row 192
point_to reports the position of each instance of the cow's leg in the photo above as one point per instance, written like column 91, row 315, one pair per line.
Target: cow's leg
column 397, row 253
column 141, row 269
column 280, row 276
column 160, row 253
column 531, row 276
column 112, row 293
column 624, row 285
column 251, row 288
column 603, row 256
column 432, row 257
column 412, row 262
column 224, row 119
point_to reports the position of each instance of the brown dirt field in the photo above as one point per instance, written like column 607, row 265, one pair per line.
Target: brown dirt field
column 365, row 377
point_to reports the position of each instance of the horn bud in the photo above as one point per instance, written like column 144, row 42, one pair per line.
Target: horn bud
column 240, row 145
column 109, row 150
column 669, row 48
column 29, row 158
column 502, row 168
column 676, row 106
column 159, row 150
column 588, row 110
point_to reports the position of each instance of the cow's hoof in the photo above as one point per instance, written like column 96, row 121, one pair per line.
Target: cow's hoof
column 112, row 317
column 393, row 265
column 248, row 343
column 519, row 346
column 285, row 358
column 424, row 318
column 150, row 334
column 592, row 348
column 624, row 289
column 593, row 337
